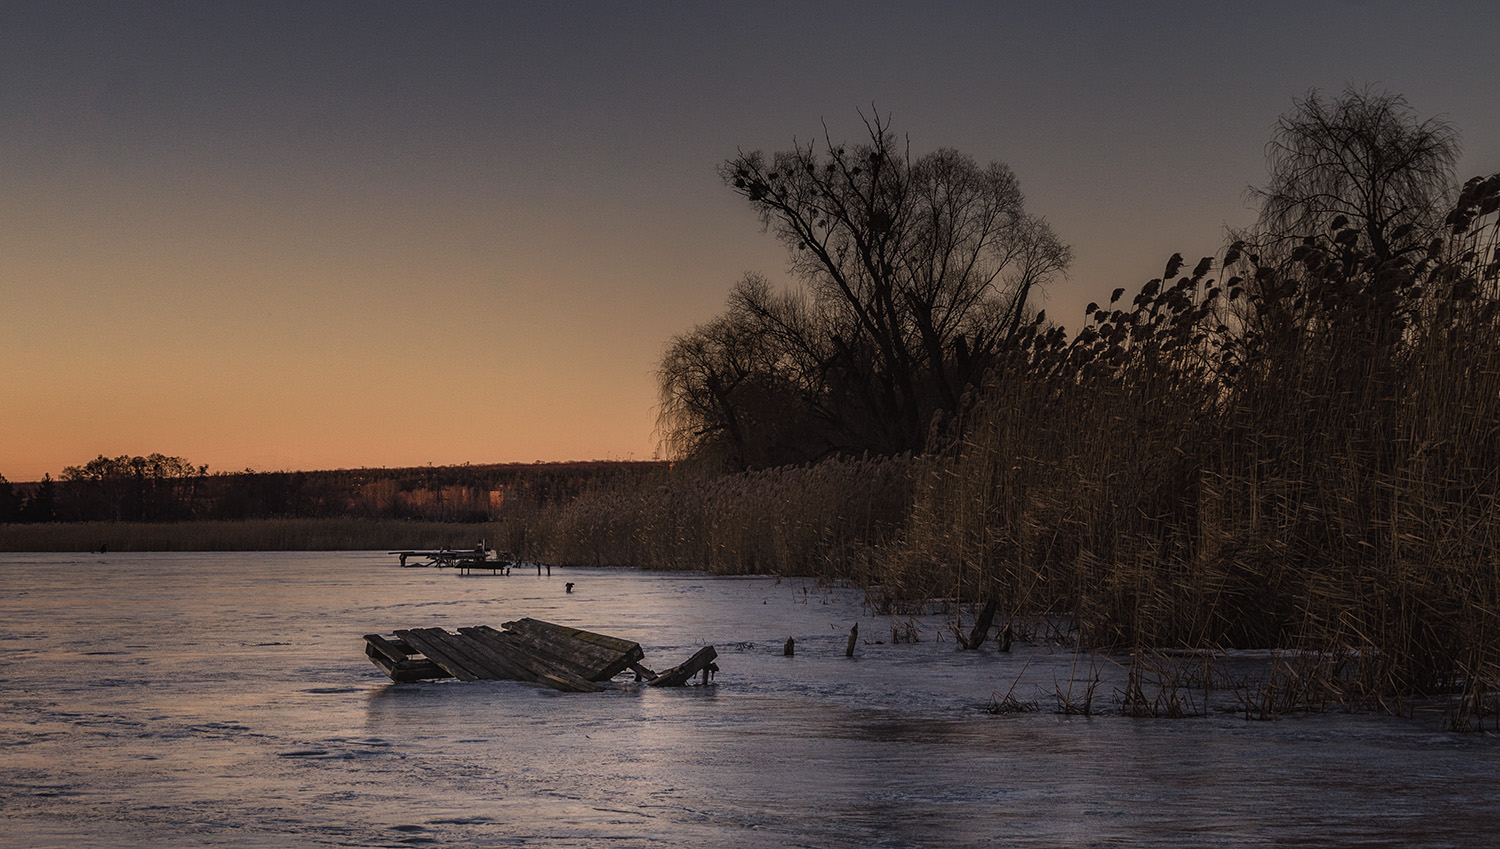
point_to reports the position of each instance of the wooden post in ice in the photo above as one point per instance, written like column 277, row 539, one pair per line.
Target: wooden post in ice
column 982, row 627
column 853, row 636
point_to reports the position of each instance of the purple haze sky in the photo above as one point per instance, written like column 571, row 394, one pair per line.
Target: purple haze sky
column 316, row 235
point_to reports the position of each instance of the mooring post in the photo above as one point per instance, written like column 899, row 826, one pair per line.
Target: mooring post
column 981, row 630
column 853, row 636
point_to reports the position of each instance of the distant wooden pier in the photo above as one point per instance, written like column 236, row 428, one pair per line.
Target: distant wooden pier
column 556, row 656
column 465, row 560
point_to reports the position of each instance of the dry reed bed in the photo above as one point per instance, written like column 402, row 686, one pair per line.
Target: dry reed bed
column 1307, row 458
column 824, row 520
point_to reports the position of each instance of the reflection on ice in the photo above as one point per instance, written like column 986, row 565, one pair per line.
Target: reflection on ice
column 184, row 700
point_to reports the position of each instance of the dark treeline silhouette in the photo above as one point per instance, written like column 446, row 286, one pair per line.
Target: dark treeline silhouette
column 159, row 488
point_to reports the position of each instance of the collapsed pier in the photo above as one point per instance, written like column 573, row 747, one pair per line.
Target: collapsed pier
column 556, row 656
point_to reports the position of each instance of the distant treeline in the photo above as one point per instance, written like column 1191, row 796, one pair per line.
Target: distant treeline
column 159, row 488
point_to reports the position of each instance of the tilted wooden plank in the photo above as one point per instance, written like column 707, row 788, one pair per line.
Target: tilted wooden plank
column 546, row 668
column 679, row 675
column 500, row 666
column 524, row 650
column 553, row 630
column 386, row 665
column 438, row 653
column 482, row 662
column 598, row 656
column 393, row 650
column 406, row 671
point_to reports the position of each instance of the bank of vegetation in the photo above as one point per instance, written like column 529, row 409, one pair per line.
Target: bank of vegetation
column 1290, row 444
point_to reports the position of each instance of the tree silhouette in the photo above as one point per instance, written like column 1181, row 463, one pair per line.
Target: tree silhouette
column 1362, row 165
column 7, row 501
column 913, row 273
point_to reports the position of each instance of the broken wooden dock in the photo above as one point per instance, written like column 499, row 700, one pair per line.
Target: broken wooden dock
column 464, row 560
column 556, row 656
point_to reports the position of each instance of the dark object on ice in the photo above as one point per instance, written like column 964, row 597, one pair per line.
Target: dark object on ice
column 1006, row 635
column 981, row 630
column 702, row 661
column 464, row 560
column 853, row 638
column 570, row 586
column 790, row 648
column 556, row 656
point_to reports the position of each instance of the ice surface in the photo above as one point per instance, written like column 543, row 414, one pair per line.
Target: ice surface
column 225, row 700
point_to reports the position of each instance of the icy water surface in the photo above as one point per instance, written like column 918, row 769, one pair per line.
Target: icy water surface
column 225, row 700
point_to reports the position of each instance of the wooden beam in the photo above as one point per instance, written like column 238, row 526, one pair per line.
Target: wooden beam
column 405, row 671
column 599, row 657
column 540, row 665
column 438, row 653
column 679, row 675
column 393, row 650
column 483, row 662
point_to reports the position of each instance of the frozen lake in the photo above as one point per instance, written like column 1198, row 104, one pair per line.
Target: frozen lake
column 225, row 700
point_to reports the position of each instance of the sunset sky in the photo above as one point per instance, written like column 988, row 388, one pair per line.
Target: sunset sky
column 312, row 235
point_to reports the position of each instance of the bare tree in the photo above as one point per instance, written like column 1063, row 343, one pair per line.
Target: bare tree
column 730, row 391
column 914, row 275
column 1362, row 165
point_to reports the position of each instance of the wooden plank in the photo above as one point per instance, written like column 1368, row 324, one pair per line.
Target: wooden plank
column 501, row 666
column 679, row 675
column 405, row 671
column 549, row 670
column 408, row 671
column 393, row 650
column 588, row 661
column 597, row 657
column 386, row 665
column 558, row 656
column 439, row 654
column 483, row 663
column 545, row 667
column 563, row 632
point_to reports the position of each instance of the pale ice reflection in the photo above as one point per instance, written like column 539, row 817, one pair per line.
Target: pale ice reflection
column 224, row 700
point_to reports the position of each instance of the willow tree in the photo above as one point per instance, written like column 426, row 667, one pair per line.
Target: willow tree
column 911, row 276
column 1362, row 165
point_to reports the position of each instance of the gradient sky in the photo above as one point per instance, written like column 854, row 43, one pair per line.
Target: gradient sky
column 330, row 235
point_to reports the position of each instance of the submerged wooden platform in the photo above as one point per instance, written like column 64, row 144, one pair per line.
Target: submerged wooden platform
column 555, row 656
column 463, row 559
